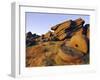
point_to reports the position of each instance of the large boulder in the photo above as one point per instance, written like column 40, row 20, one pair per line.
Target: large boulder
column 68, row 28
column 62, row 26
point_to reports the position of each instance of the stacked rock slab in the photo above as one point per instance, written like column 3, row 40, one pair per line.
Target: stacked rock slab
column 48, row 34
column 66, row 28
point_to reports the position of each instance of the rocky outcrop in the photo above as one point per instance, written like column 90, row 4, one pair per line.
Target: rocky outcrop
column 31, row 39
column 67, row 43
column 67, row 28
column 61, row 31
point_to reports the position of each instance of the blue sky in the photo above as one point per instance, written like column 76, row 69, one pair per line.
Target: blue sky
column 41, row 23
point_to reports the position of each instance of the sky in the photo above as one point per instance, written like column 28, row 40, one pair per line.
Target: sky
column 40, row 23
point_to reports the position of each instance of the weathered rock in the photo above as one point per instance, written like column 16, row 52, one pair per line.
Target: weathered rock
column 31, row 39
column 88, row 33
column 79, row 31
column 55, row 27
column 79, row 21
column 30, row 42
column 71, row 51
column 68, row 56
column 67, row 44
column 62, row 26
column 35, row 36
column 68, row 28
column 86, row 30
column 48, row 35
column 79, row 42
column 28, row 35
column 62, row 36
column 66, row 23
